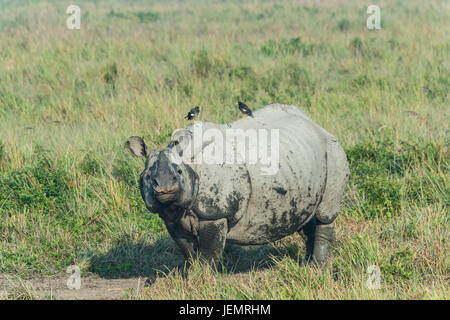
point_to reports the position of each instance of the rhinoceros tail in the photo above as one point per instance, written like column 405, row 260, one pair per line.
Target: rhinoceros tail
column 338, row 174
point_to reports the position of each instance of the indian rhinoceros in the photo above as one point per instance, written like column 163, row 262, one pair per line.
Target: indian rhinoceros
column 206, row 202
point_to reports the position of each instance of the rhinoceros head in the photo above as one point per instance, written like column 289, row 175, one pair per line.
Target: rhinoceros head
column 164, row 181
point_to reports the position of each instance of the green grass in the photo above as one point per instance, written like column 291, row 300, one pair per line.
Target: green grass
column 69, row 99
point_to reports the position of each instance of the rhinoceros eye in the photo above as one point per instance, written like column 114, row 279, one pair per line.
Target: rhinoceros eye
column 179, row 171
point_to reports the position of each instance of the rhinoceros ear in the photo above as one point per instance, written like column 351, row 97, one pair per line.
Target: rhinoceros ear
column 137, row 146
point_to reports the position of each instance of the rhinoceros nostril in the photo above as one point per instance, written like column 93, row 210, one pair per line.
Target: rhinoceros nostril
column 155, row 183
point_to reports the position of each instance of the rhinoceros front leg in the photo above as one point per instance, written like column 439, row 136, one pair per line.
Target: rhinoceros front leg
column 212, row 237
column 319, row 237
column 185, row 240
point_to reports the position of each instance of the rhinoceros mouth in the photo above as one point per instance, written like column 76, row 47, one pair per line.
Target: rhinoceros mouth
column 166, row 197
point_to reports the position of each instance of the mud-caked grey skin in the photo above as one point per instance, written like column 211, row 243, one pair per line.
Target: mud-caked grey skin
column 206, row 205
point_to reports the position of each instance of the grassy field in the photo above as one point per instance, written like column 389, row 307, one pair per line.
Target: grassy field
column 69, row 99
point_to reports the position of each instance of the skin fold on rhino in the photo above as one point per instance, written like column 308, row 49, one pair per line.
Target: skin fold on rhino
column 206, row 205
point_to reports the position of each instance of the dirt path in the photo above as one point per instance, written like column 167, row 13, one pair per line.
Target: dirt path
column 56, row 288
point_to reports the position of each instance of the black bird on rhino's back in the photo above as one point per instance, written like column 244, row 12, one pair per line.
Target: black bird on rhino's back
column 244, row 109
column 193, row 113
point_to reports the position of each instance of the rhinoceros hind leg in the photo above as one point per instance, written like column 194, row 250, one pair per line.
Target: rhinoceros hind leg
column 318, row 237
column 323, row 239
column 307, row 233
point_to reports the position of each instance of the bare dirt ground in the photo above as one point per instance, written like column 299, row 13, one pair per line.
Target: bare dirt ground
column 96, row 287
column 56, row 288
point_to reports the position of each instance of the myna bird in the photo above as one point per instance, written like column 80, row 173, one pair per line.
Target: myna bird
column 193, row 113
column 244, row 109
